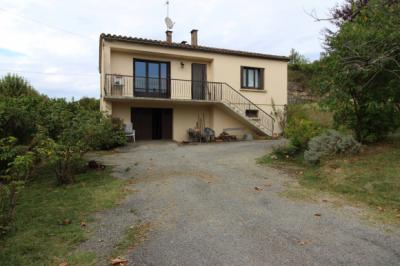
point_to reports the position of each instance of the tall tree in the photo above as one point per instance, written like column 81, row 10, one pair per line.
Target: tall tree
column 359, row 78
column 15, row 86
column 297, row 59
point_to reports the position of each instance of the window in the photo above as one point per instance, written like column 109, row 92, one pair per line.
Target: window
column 252, row 113
column 151, row 78
column 252, row 78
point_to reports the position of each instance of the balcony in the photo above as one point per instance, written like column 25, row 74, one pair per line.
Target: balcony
column 120, row 86
column 130, row 87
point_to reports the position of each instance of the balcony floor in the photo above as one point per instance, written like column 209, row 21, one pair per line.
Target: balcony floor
column 157, row 100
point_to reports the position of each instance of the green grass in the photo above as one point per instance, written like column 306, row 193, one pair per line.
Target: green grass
column 48, row 219
column 371, row 178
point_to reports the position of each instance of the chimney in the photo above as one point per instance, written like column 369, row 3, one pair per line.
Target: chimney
column 194, row 37
column 169, row 36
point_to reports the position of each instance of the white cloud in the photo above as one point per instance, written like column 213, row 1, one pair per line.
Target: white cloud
column 60, row 38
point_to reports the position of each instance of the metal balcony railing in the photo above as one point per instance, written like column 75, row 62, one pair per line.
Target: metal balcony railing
column 140, row 87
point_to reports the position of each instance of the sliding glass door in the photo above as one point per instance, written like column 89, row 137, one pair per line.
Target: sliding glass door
column 151, row 78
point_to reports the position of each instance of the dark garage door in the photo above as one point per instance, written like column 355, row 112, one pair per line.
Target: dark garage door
column 152, row 123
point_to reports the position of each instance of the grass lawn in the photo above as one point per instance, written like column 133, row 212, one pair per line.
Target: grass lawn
column 372, row 178
column 48, row 219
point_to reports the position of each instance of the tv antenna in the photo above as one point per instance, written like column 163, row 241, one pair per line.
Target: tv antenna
column 168, row 21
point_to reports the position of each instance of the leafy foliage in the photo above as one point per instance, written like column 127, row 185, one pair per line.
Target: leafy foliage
column 296, row 59
column 16, row 168
column 36, row 131
column 350, row 9
column 18, row 116
column 284, row 152
column 61, row 156
column 359, row 77
column 16, row 86
column 330, row 143
column 89, row 104
column 301, row 131
column 301, row 127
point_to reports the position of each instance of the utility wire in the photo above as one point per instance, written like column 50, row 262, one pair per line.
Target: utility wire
column 44, row 24
column 45, row 73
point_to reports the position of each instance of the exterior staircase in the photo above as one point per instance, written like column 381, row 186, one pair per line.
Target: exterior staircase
column 238, row 103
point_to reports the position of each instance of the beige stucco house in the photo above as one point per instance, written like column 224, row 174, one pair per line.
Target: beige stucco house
column 164, row 87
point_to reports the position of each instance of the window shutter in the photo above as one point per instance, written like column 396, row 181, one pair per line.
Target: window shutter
column 262, row 78
column 241, row 77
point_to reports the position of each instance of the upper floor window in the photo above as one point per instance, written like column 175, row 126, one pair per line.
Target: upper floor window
column 252, row 78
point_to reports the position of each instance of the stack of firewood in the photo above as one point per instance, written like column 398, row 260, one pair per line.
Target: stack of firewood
column 225, row 137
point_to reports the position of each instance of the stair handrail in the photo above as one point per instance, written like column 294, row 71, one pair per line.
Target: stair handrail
column 255, row 105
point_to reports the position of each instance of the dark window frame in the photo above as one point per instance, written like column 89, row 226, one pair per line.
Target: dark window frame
column 245, row 85
column 146, row 61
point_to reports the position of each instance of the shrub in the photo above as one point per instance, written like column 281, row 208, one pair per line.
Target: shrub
column 8, row 202
column 330, row 143
column 18, row 117
column 280, row 115
column 15, row 169
column 300, row 131
column 99, row 132
column 64, row 157
column 284, row 152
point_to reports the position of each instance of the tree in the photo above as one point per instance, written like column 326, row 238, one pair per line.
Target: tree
column 90, row 104
column 16, row 86
column 297, row 59
column 359, row 78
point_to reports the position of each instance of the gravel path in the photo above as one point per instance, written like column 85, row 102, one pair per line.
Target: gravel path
column 203, row 209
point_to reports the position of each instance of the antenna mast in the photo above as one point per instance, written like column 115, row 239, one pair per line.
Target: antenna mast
column 167, row 4
column 168, row 21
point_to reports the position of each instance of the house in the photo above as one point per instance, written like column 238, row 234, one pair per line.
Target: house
column 164, row 87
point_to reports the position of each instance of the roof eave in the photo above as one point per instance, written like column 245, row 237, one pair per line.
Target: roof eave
column 109, row 37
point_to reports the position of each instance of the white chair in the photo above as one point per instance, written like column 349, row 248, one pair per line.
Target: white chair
column 130, row 132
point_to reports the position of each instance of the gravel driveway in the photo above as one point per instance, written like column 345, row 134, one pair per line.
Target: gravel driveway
column 203, row 209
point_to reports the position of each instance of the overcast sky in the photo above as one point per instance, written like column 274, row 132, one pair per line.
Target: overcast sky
column 54, row 43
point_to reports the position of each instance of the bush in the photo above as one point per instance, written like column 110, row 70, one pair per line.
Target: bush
column 97, row 131
column 15, row 169
column 8, row 202
column 305, row 121
column 284, row 152
column 300, row 131
column 19, row 116
column 64, row 157
column 330, row 143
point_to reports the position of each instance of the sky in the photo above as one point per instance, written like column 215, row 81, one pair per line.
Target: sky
column 54, row 43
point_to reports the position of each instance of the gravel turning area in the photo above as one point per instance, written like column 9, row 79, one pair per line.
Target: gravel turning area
column 203, row 209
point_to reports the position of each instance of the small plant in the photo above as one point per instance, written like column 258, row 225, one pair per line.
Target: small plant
column 15, row 170
column 284, row 152
column 280, row 115
column 8, row 203
column 330, row 143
